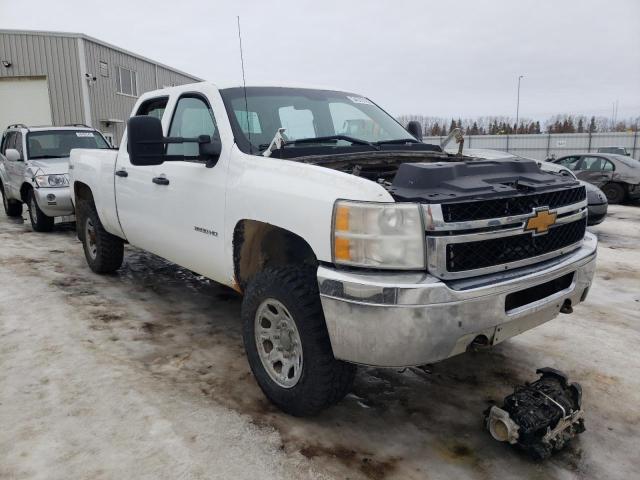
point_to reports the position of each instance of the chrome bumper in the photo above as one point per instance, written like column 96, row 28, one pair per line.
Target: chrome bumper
column 406, row 319
column 54, row 202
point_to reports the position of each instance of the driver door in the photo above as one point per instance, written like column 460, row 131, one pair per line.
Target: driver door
column 189, row 211
column 14, row 168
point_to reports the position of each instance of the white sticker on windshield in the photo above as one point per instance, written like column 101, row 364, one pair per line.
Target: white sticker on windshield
column 84, row 134
column 361, row 100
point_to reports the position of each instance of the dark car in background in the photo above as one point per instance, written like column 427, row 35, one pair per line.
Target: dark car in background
column 618, row 176
column 616, row 150
column 597, row 204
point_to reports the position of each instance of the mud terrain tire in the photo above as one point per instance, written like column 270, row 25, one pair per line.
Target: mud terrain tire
column 104, row 252
column 323, row 380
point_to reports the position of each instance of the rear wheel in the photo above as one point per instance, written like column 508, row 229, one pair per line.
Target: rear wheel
column 104, row 252
column 39, row 221
column 614, row 192
column 12, row 208
column 287, row 342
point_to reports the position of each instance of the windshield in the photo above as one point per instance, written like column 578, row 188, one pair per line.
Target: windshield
column 58, row 143
column 307, row 114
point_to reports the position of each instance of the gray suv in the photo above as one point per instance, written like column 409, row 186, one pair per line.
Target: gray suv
column 34, row 170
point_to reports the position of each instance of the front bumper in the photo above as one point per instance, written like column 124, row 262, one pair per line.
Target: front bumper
column 407, row 319
column 54, row 202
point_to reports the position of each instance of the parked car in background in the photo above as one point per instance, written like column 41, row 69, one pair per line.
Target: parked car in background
column 34, row 167
column 597, row 201
column 618, row 176
column 616, row 150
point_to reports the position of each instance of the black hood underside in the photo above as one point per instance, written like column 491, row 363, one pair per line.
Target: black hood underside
column 473, row 180
column 438, row 177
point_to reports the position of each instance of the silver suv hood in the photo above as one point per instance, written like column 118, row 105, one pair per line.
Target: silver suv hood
column 49, row 166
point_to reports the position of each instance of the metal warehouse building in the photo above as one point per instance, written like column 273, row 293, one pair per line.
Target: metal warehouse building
column 55, row 78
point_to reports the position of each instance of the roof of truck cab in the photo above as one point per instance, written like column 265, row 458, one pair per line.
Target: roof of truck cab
column 42, row 128
column 225, row 86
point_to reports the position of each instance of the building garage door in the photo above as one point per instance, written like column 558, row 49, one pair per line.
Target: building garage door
column 24, row 100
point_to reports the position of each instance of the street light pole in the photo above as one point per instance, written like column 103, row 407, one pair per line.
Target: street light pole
column 518, row 103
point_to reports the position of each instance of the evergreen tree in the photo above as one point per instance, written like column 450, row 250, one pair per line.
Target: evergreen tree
column 592, row 125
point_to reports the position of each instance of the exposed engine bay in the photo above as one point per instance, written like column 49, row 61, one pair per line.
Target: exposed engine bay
column 540, row 417
column 438, row 177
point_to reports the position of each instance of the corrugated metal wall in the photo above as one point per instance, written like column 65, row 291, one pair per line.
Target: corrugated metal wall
column 106, row 102
column 542, row 146
column 54, row 57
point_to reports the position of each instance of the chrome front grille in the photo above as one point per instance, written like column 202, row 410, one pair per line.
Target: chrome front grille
column 504, row 207
column 483, row 246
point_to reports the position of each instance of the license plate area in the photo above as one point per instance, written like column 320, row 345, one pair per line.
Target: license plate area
column 533, row 294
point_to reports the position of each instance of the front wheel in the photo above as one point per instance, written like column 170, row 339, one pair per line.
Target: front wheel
column 104, row 252
column 287, row 342
column 39, row 221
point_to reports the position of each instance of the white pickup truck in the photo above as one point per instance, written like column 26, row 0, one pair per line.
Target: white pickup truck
column 351, row 241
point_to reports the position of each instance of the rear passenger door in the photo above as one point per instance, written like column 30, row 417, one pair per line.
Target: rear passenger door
column 595, row 170
column 136, row 192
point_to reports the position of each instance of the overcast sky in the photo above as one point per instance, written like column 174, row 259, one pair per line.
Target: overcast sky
column 436, row 58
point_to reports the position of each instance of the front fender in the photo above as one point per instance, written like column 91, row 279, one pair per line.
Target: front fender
column 294, row 196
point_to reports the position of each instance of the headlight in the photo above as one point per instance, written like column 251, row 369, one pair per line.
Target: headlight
column 45, row 181
column 378, row 235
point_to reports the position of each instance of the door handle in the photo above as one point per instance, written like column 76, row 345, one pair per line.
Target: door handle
column 160, row 180
column 122, row 173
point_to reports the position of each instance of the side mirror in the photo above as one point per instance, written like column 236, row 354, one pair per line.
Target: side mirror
column 145, row 141
column 12, row 155
column 415, row 128
column 146, row 144
column 209, row 150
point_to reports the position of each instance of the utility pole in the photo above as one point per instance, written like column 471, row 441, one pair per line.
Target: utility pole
column 518, row 103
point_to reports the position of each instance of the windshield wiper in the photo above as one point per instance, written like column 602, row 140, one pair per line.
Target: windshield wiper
column 279, row 142
column 397, row 141
column 328, row 138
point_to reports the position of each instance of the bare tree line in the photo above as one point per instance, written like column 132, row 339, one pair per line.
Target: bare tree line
column 503, row 125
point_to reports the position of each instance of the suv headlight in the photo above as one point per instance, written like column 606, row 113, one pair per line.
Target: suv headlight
column 45, row 181
column 378, row 235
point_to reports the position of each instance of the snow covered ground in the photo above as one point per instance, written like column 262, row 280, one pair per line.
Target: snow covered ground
column 142, row 375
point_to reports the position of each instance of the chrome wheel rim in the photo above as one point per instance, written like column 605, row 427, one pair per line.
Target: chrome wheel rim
column 278, row 343
column 90, row 238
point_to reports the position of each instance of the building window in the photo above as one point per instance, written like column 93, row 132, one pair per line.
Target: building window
column 126, row 82
column 104, row 69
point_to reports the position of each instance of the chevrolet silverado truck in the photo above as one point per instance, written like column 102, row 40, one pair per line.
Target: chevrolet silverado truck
column 351, row 247
column 34, row 164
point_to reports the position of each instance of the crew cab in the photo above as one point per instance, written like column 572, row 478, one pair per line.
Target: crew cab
column 351, row 241
column 34, row 164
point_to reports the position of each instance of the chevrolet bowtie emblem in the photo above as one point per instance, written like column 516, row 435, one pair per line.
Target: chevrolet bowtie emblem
column 540, row 222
